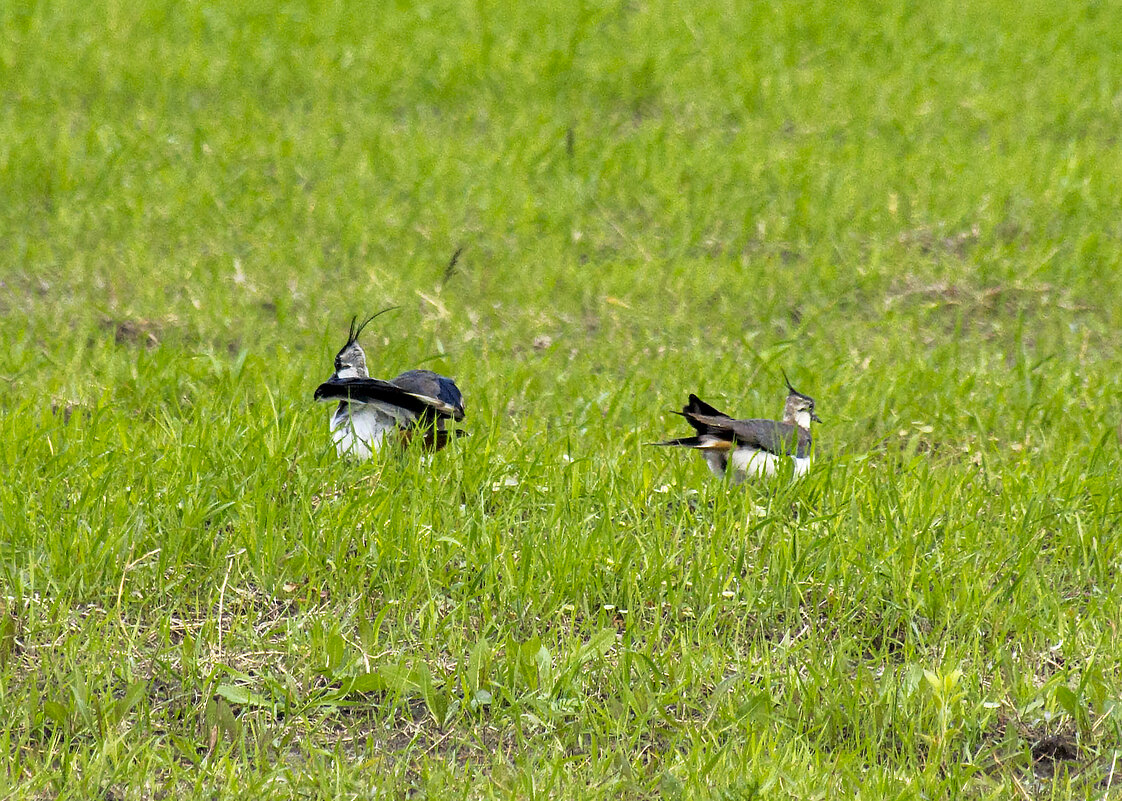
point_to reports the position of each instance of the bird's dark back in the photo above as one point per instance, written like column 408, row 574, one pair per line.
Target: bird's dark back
column 434, row 385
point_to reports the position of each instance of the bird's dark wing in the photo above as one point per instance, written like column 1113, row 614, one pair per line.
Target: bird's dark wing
column 426, row 383
column 370, row 390
column 765, row 435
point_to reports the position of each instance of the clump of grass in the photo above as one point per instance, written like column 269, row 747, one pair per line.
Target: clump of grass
column 913, row 214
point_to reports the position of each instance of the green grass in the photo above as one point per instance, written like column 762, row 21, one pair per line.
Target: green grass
column 914, row 209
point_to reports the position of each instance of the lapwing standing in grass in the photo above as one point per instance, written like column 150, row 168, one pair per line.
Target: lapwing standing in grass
column 418, row 403
column 751, row 448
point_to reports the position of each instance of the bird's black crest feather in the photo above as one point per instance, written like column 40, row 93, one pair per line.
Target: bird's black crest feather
column 355, row 330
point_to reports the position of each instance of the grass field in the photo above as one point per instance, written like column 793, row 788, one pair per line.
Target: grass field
column 914, row 209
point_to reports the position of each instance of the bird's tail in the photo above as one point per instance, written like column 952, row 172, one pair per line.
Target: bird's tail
column 684, row 442
column 431, row 438
column 705, row 443
column 698, row 406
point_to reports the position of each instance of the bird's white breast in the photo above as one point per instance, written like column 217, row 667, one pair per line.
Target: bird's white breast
column 359, row 429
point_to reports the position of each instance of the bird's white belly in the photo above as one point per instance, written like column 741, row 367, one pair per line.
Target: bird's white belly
column 717, row 461
column 359, row 429
column 750, row 463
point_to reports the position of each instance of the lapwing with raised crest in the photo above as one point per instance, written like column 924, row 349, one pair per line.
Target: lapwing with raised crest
column 743, row 449
column 373, row 412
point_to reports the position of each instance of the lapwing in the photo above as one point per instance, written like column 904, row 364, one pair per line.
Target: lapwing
column 371, row 411
column 751, row 448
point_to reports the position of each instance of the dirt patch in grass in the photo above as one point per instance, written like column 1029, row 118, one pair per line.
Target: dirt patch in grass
column 134, row 333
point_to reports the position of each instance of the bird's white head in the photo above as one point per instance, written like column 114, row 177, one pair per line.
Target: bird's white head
column 350, row 361
column 799, row 408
